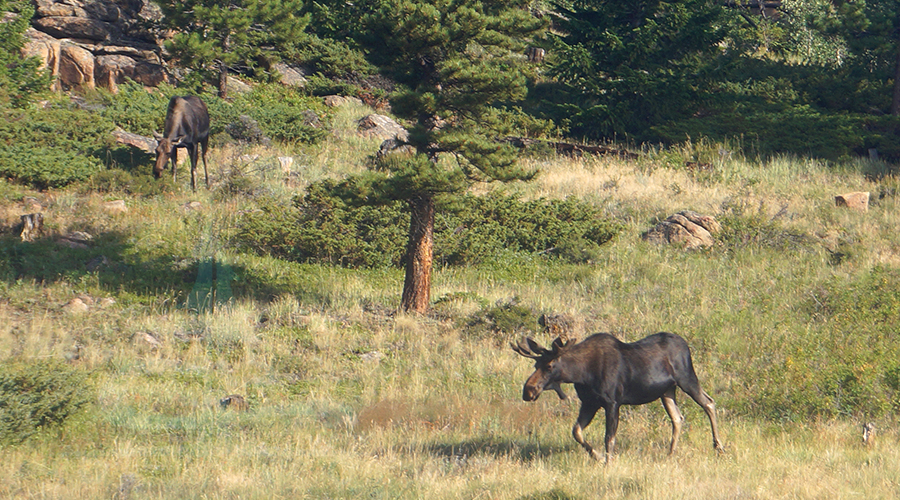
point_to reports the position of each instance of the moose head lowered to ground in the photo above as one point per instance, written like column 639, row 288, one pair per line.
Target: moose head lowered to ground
column 187, row 126
column 608, row 373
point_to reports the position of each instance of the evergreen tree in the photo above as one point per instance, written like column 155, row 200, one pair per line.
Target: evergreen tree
column 215, row 36
column 455, row 60
column 630, row 64
column 20, row 78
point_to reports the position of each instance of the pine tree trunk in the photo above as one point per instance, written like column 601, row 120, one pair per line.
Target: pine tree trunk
column 419, row 256
column 223, row 80
column 895, row 102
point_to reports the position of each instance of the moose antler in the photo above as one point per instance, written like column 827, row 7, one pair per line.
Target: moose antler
column 529, row 348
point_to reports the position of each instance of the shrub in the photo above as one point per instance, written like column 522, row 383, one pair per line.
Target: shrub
column 502, row 319
column 39, row 395
column 52, row 147
column 320, row 227
column 281, row 113
column 45, row 167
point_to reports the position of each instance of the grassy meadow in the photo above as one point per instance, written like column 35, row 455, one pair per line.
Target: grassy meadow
column 792, row 318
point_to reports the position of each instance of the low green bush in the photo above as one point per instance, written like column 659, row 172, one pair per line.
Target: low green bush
column 321, row 228
column 52, row 147
column 38, row 395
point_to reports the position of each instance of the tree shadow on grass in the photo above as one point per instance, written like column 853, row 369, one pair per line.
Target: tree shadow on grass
column 106, row 260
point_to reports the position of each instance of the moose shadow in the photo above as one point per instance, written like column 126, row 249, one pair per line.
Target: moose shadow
column 515, row 449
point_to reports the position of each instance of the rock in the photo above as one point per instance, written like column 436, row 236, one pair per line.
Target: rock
column 150, row 74
column 286, row 162
column 393, row 146
column 110, row 70
column 333, row 101
column 290, row 75
column 857, row 200
column 236, row 86
column 46, row 48
column 76, row 67
column 381, row 126
column 192, row 206
column 80, row 236
column 76, row 306
column 686, row 228
column 234, row 402
column 115, row 207
column 373, row 356
column 73, row 27
column 107, row 302
column 147, row 339
column 100, row 10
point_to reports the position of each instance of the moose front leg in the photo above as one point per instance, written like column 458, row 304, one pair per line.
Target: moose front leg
column 585, row 415
column 669, row 403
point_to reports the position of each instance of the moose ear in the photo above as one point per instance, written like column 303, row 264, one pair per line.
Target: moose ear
column 157, row 136
column 179, row 140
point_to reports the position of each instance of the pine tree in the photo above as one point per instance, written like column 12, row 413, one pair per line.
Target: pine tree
column 20, row 78
column 632, row 64
column 215, row 36
column 455, row 60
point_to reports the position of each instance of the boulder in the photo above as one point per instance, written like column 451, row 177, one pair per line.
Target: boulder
column 688, row 229
column 381, row 126
column 333, row 101
column 76, row 67
column 115, row 207
column 100, row 10
column 44, row 47
column 74, row 27
column 857, row 200
column 290, row 75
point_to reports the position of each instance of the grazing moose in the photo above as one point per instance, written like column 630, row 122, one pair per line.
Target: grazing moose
column 608, row 373
column 187, row 126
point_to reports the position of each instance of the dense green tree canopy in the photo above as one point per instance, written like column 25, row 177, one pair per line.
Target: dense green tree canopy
column 632, row 64
column 214, row 36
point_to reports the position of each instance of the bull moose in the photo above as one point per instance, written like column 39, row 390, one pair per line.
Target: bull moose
column 608, row 373
column 187, row 126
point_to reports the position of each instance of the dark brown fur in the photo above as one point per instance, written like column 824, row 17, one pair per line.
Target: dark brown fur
column 187, row 126
column 608, row 373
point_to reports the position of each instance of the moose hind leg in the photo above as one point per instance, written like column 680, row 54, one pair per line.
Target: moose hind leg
column 612, row 425
column 585, row 415
column 669, row 403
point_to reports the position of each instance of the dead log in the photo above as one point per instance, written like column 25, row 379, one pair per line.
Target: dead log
column 146, row 144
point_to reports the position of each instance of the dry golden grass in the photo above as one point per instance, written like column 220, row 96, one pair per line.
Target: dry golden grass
column 351, row 400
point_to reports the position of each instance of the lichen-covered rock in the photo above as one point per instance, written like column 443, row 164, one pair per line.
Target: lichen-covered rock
column 688, row 229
